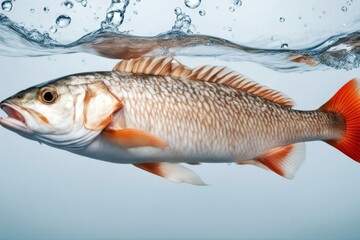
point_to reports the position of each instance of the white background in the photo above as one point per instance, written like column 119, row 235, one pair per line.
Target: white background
column 48, row 193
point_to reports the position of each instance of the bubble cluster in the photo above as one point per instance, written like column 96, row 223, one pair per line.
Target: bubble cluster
column 183, row 21
column 115, row 15
column 63, row 21
column 6, row 6
column 192, row 3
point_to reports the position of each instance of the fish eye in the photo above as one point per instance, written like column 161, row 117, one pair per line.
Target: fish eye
column 48, row 95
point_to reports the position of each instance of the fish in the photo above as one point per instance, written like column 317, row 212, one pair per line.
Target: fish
column 158, row 114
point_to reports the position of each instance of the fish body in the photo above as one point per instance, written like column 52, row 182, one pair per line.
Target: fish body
column 156, row 113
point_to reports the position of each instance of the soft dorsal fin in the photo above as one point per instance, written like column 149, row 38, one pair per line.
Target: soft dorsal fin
column 167, row 66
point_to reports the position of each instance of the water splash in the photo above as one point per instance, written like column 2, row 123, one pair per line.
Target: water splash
column 340, row 52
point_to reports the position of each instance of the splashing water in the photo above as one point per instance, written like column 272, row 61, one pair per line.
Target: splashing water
column 340, row 52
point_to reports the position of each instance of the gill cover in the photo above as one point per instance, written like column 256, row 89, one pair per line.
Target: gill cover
column 99, row 105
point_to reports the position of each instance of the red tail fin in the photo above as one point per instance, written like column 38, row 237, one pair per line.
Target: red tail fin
column 347, row 103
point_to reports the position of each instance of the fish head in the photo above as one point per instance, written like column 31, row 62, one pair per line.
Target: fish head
column 61, row 114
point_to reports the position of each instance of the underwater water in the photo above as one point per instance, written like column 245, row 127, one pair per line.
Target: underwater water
column 307, row 50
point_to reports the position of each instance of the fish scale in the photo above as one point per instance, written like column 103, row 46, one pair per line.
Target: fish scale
column 248, row 124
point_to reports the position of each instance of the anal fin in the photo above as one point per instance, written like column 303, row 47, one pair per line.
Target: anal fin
column 172, row 171
column 285, row 160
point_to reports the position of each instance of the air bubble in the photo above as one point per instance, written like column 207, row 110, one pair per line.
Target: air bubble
column 6, row 6
column 114, row 18
column 344, row 8
column 68, row 4
column 53, row 29
column 63, row 21
column 202, row 12
column 231, row 9
column 281, row 19
column 229, row 29
column 46, row 9
column 32, row 10
column 177, row 11
column 192, row 3
column 284, row 46
column 237, row 2
column 349, row 2
column 84, row 3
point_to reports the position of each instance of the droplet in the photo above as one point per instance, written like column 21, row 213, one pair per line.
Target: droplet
column 192, row 3
column 53, row 29
column 202, row 12
column 237, row 2
column 284, row 46
column 32, row 10
column 68, row 4
column 84, row 3
column 344, row 8
column 46, row 9
column 281, row 19
column 6, row 6
column 63, row 21
column 305, row 25
column 299, row 17
column 177, row 11
column 231, row 9
column 229, row 29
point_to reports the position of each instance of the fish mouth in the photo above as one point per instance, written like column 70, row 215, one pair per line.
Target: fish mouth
column 14, row 120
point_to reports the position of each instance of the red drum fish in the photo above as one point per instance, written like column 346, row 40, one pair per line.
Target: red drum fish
column 156, row 113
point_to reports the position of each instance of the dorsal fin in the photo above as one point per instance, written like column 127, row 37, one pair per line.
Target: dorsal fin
column 167, row 66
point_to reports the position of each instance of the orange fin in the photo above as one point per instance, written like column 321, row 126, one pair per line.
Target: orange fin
column 131, row 138
column 346, row 102
column 166, row 66
column 285, row 160
column 172, row 171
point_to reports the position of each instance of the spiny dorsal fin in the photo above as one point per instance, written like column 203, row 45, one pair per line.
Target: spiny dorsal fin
column 167, row 66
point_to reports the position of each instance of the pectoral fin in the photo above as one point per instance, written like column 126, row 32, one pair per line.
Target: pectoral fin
column 172, row 171
column 285, row 160
column 131, row 138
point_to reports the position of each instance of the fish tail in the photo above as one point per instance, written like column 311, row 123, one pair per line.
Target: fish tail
column 346, row 103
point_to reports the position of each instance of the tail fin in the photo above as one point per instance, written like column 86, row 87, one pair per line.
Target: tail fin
column 347, row 103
